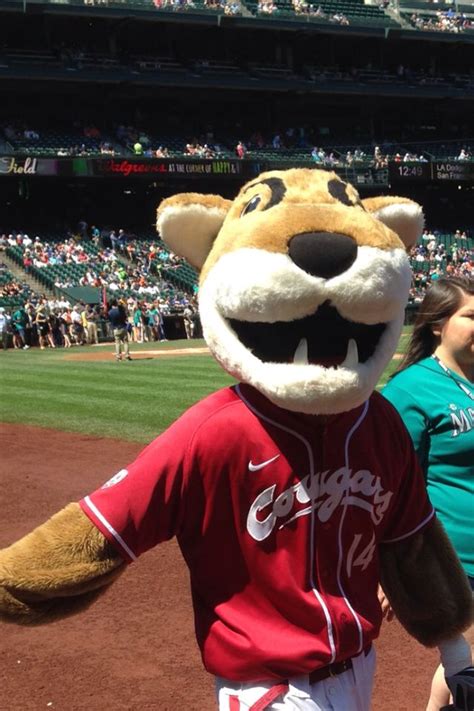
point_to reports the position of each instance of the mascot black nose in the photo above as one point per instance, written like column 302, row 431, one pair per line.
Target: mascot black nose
column 323, row 254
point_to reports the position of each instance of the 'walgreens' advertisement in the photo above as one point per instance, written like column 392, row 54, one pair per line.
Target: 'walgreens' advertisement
column 122, row 167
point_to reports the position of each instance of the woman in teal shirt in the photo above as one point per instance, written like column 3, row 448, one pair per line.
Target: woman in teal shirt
column 433, row 390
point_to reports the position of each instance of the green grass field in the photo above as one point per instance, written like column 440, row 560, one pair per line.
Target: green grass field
column 132, row 401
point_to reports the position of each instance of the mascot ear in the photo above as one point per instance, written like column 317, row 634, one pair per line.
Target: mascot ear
column 403, row 216
column 190, row 222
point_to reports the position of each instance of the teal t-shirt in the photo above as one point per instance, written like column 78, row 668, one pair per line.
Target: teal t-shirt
column 439, row 416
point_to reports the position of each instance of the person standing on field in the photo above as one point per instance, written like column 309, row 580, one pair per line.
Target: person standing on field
column 3, row 328
column 118, row 320
column 433, row 390
column 91, row 318
column 19, row 319
column 42, row 325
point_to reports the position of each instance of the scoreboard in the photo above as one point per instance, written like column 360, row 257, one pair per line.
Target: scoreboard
column 436, row 171
column 408, row 172
column 457, row 171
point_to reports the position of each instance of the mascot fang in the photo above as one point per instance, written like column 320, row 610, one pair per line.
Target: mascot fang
column 294, row 492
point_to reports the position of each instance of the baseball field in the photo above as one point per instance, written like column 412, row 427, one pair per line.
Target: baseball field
column 70, row 420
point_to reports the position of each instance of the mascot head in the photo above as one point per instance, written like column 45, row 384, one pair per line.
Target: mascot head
column 303, row 286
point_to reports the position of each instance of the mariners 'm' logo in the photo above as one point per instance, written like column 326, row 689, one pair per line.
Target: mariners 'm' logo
column 323, row 492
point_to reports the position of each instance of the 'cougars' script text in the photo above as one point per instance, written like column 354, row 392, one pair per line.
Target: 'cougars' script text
column 324, row 492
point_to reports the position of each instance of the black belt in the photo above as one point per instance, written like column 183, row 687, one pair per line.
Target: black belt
column 334, row 669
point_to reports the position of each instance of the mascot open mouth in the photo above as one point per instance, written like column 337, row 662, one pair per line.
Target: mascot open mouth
column 323, row 338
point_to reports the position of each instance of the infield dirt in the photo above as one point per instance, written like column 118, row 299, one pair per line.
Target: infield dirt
column 136, row 355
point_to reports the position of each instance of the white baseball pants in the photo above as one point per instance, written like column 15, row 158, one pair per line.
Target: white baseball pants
column 349, row 691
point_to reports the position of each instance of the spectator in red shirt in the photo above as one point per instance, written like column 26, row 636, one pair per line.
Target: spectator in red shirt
column 240, row 149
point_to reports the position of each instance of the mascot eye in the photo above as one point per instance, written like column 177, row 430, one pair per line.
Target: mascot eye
column 252, row 205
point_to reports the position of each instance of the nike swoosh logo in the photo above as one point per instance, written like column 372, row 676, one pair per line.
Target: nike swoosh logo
column 255, row 467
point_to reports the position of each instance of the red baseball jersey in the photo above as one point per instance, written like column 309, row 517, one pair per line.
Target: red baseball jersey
column 279, row 517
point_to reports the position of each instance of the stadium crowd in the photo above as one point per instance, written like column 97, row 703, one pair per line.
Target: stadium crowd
column 309, row 142
column 55, row 323
column 442, row 21
column 137, row 280
column 11, row 287
column 432, row 258
column 102, row 267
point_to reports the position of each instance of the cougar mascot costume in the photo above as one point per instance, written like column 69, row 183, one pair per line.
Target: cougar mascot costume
column 293, row 493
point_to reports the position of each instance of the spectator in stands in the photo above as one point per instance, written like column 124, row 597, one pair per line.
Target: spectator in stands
column 315, row 155
column 82, row 229
column 121, row 239
column 233, row 8
column 138, row 148
column 267, row 7
column 113, row 239
column 340, row 18
column 27, row 261
column 95, row 235
column 240, row 150
column 30, row 135
column 378, row 157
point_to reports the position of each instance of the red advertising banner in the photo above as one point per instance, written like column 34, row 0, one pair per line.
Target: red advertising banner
column 123, row 167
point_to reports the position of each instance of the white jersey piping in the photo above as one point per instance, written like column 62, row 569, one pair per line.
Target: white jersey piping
column 110, row 528
column 354, row 427
column 412, row 532
column 316, row 592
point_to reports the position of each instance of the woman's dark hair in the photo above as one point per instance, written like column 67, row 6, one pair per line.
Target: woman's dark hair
column 441, row 301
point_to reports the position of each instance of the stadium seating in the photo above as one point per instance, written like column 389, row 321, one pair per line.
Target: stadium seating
column 52, row 142
column 355, row 11
column 182, row 275
column 170, row 278
column 23, row 290
column 440, row 19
